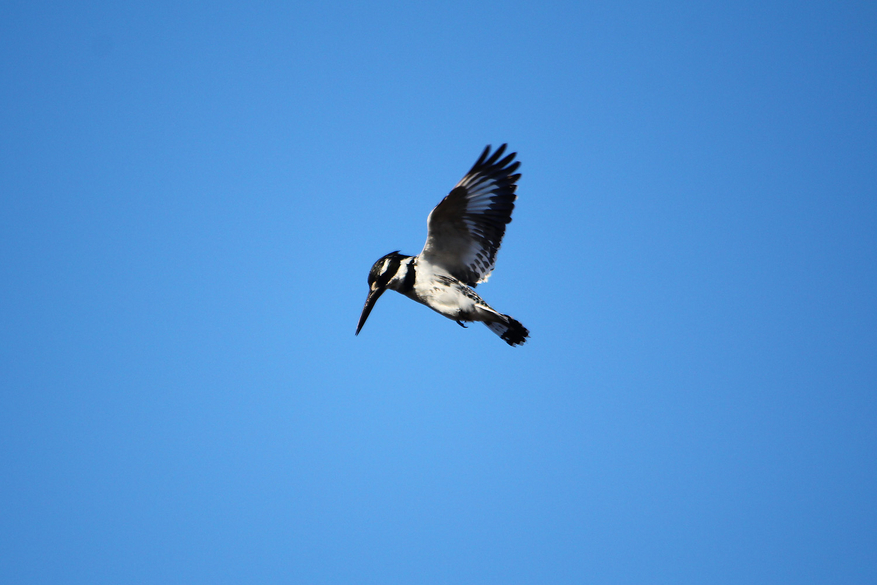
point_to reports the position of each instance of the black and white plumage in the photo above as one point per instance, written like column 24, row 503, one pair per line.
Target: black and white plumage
column 465, row 233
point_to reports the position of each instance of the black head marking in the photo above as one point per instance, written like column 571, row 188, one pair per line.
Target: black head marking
column 385, row 269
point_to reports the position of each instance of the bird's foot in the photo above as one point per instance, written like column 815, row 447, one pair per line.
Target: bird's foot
column 461, row 324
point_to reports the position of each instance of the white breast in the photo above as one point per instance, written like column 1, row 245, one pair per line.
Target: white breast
column 443, row 293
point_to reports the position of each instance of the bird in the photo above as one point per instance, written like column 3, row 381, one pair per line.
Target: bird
column 464, row 234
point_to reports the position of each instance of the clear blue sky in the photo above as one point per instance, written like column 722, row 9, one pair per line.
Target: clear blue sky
column 192, row 196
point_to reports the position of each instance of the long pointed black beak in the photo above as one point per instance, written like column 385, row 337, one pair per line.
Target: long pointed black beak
column 370, row 301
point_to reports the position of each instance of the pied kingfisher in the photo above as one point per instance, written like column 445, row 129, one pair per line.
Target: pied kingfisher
column 464, row 234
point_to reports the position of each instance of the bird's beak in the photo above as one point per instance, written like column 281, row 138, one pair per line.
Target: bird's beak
column 370, row 301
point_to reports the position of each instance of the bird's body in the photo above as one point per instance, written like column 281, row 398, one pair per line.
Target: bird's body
column 465, row 232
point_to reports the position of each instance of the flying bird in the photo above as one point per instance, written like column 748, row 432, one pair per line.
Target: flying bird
column 464, row 233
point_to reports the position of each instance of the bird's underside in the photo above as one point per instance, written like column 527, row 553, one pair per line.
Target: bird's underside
column 449, row 297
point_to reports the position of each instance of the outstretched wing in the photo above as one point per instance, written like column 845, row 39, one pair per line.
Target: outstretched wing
column 466, row 228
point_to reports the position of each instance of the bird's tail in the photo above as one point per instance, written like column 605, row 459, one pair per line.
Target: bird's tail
column 511, row 331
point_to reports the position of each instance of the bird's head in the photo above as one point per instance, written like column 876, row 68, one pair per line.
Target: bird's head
column 379, row 277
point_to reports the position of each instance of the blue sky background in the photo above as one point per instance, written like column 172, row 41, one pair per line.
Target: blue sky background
column 192, row 197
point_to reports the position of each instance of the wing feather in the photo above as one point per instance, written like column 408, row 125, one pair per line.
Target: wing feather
column 467, row 227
